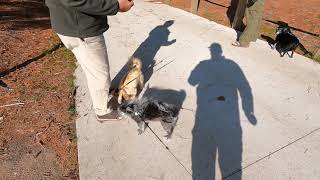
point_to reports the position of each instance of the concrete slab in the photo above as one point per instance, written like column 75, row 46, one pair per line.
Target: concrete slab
column 238, row 105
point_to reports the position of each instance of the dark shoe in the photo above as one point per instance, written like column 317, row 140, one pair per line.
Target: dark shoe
column 113, row 103
column 112, row 116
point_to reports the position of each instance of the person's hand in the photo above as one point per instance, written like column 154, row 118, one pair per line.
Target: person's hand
column 173, row 41
column 252, row 118
column 125, row 5
column 168, row 43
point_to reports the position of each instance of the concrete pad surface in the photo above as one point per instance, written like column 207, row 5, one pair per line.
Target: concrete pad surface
column 245, row 113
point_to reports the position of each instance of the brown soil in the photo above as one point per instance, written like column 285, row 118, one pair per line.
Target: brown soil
column 302, row 16
column 37, row 139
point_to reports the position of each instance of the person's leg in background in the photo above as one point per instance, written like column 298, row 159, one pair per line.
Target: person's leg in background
column 253, row 18
column 91, row 54
column 237, row 23
column 253, row 14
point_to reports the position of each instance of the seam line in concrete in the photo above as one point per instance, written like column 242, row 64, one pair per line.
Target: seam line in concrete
column 168, row 149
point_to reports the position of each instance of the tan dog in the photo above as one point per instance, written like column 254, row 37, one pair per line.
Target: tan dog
column 132, row 83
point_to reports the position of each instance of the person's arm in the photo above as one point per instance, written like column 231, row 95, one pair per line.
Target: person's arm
column 168, row 43
column 194, row 76
column 246, row 98
column 98, row 7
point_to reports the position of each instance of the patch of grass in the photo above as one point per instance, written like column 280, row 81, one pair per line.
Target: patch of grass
column 316, row 58
column 67, row 54
column 71, row 65
column 72, row 109
column 268, row 30
column 70, row 81
column 69, row 58
column 167, row 2
column 212, row 16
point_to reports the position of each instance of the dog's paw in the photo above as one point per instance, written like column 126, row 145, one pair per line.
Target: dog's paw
column 140, row 131
column 167, row 137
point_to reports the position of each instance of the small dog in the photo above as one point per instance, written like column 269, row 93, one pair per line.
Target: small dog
column 132, row 83
column 286, row 41
column 147, row 109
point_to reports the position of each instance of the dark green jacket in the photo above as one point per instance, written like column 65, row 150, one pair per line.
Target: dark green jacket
column 81, row 18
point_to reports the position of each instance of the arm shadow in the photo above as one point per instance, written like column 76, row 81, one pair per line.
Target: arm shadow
column 147, row 51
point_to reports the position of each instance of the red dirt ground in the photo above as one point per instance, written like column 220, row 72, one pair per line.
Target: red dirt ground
column 302, row 15
column 37, row 139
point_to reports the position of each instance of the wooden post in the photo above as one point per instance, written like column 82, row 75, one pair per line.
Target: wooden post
column 195, row 6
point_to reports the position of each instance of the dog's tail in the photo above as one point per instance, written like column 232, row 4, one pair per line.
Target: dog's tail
column 304, row 50
column 135, row 63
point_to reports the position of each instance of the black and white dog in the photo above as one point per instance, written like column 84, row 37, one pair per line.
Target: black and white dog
column 149, row 109
column 286, row 41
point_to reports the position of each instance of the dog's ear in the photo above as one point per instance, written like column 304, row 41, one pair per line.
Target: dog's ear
column 135, row 107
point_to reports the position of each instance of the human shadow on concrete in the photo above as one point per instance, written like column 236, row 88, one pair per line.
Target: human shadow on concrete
column 217, row 133
column 147, row 51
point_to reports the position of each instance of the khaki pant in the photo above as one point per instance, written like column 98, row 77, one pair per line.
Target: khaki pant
column 91, row 54
column 253, row 16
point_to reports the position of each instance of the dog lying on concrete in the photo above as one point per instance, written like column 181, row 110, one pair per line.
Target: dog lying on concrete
column 148, row 109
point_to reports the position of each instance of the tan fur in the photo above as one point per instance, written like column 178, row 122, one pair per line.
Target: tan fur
column 132, row 83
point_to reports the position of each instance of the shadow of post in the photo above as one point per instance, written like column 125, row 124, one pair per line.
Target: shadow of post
column 217, row 133
column 147, row 51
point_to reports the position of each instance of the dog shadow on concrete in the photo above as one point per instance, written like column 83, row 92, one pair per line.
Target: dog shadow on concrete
column 217, row 133
column 166, row 95
column 147, row 51
column 170, row 96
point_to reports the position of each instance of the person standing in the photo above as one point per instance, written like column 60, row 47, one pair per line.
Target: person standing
column 80, row 25
column 253, row 14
